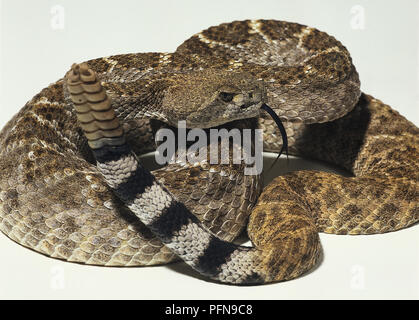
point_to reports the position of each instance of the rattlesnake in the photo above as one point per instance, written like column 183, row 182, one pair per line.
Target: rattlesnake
column 56, row 200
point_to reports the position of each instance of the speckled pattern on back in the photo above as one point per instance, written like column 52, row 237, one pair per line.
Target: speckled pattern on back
column 53, row 198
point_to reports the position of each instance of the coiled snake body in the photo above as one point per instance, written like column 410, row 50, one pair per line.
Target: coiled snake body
column 71, row 186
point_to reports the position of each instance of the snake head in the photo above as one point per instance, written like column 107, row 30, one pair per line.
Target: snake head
column 211, row 98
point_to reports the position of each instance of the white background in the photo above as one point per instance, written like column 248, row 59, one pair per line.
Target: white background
column 37, row 47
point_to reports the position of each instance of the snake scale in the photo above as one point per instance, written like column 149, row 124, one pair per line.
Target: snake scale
column 72, row 187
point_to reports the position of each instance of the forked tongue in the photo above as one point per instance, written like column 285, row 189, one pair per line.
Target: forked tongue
column 281, row 128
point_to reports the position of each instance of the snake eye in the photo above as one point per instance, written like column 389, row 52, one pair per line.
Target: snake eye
column 226, row 96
